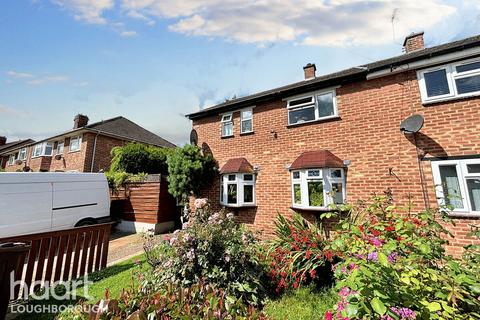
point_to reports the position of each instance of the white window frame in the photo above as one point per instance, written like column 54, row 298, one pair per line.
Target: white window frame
column 11, row 159
column 452, row 75
column 325, row 177
column 242, row 119
column 240, row 182
column 224, row 121
column 79, row 138
column 313, row 103
column 22, row 154
column 58, row 147
column 41, row 148
column 462, row 173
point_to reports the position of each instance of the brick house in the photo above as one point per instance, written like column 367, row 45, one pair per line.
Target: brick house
column 6, row 147
column 336, row 138
column 85, row 148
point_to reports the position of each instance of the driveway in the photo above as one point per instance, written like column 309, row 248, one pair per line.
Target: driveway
column 125, row 245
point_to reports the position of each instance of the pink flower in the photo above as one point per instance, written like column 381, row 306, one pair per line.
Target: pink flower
column 345, row 291
column 328, row 315
column 200, row 203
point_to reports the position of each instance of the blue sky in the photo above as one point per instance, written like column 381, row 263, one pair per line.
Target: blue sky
column 153, row 61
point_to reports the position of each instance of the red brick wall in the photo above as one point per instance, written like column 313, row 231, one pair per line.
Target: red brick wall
column 103, row 150
column 367, row 133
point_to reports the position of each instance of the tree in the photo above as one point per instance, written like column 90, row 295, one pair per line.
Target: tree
column 189, row 171
column 138, row 158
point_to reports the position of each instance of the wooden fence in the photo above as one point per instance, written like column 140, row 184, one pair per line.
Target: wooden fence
column 61, row 255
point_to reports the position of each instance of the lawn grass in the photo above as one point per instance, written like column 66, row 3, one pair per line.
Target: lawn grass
column 304, row 303
column 115, row 278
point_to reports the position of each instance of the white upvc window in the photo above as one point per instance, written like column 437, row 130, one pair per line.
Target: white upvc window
column 11, row 159
column 237, row 189
column 227, row 125
column 457, row 184
column 42, row 149
column 318, row 188
column 312, row 107
column 75, row 143
column 22, row 155
column 60, row 147
column 450, row 81
column 246, row 120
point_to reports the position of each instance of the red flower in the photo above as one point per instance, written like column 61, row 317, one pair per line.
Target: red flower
column 329, row 255
column 376, row 233
column 328, row 315
column 361, row 229
column 390, row 228
column 313, row 272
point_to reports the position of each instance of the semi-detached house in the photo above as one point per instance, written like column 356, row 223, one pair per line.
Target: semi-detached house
column 336, row 138
column 85, row 148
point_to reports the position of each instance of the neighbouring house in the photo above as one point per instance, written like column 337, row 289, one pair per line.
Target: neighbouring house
column 6, row 147
column 85, row 148
column 335, row 138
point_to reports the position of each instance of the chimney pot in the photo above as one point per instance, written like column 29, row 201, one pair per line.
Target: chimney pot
column 309, row 71
column 79, row 121
column 3, row 140
column 414, row 42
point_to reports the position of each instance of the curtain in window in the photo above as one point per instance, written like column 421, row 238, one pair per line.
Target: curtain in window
column 473, row 186
column 451, row 186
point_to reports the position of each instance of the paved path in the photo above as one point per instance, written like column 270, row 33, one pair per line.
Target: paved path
column 124, row 246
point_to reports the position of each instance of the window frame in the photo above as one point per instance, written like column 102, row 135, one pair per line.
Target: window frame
column 463, row 175
column 313, row 103
column 24, row 154
column 62, row 142
column 327, row 180
column 452, row 75
column 11, row 159
column 42, row 147
column 225, row 122
column 240, row 182
column 79, row 139
column 247, row 119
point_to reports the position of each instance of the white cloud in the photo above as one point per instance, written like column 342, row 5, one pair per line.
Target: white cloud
column 128, row 34
column 90, row 11
column 322, row 22
column 48, row 79
column 19, row 75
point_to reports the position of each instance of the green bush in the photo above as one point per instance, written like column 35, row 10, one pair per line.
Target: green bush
column 117, row 180
column 214, row 249
column 139, row 158
column 394, row 266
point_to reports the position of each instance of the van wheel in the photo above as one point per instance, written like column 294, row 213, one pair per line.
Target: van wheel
column 86, row 222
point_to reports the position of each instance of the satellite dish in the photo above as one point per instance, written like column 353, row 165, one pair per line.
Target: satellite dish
column 193, row 137
column 412, row 124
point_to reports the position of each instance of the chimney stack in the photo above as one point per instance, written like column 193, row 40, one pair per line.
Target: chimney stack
column 413, row 42
column 79, row 121
column 309, row 71
column 3, row 140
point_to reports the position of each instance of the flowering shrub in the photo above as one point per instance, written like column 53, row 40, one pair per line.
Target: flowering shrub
column 394, row 267
column 297, row 254
column 214, row 249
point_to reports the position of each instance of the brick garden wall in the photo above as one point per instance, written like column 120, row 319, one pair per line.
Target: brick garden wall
column 367, row 133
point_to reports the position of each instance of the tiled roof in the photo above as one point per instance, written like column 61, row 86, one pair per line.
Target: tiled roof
column 317, row 159
column 14, row 145
column 237, row 165
column 351, row 74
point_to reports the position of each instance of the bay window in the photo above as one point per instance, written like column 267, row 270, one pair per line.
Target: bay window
column 312, row 107
column 457, row 184
column 227, row 125
column 318, row 188
column 237, row 189
column 454, row 80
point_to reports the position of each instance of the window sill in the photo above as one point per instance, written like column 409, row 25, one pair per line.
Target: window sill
column 247, row 133
column 464, row 214
column 239, row 206
column 41, row 156
column 73, row 151
column 449, row 99
column 318, row 209
column 326, row 119
column 227, row 137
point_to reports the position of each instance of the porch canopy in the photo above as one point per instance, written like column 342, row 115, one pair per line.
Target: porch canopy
column 317, row 159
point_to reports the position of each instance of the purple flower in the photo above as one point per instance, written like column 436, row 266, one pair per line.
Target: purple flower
column 404, row 313
column 373, row 256
column 376, row 242
column 392, row 257
column 345, row 291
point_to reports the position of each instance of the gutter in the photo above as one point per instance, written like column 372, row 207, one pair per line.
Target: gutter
column 94, row 150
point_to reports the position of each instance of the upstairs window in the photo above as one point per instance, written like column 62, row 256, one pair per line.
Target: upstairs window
column 237, row 189
column 60, row 147
column 11, row 159
column 455, row 80
column 318, row 188
column 227, row 125
column 22, row 155
column 75, row 143
column 42, row 149
column 246, row 120
column 312, row 107
column 457, row 185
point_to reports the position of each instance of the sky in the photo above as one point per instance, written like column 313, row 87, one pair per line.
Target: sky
column 153, row 61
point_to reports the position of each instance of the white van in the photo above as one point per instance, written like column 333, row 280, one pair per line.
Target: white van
column 40, row 202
